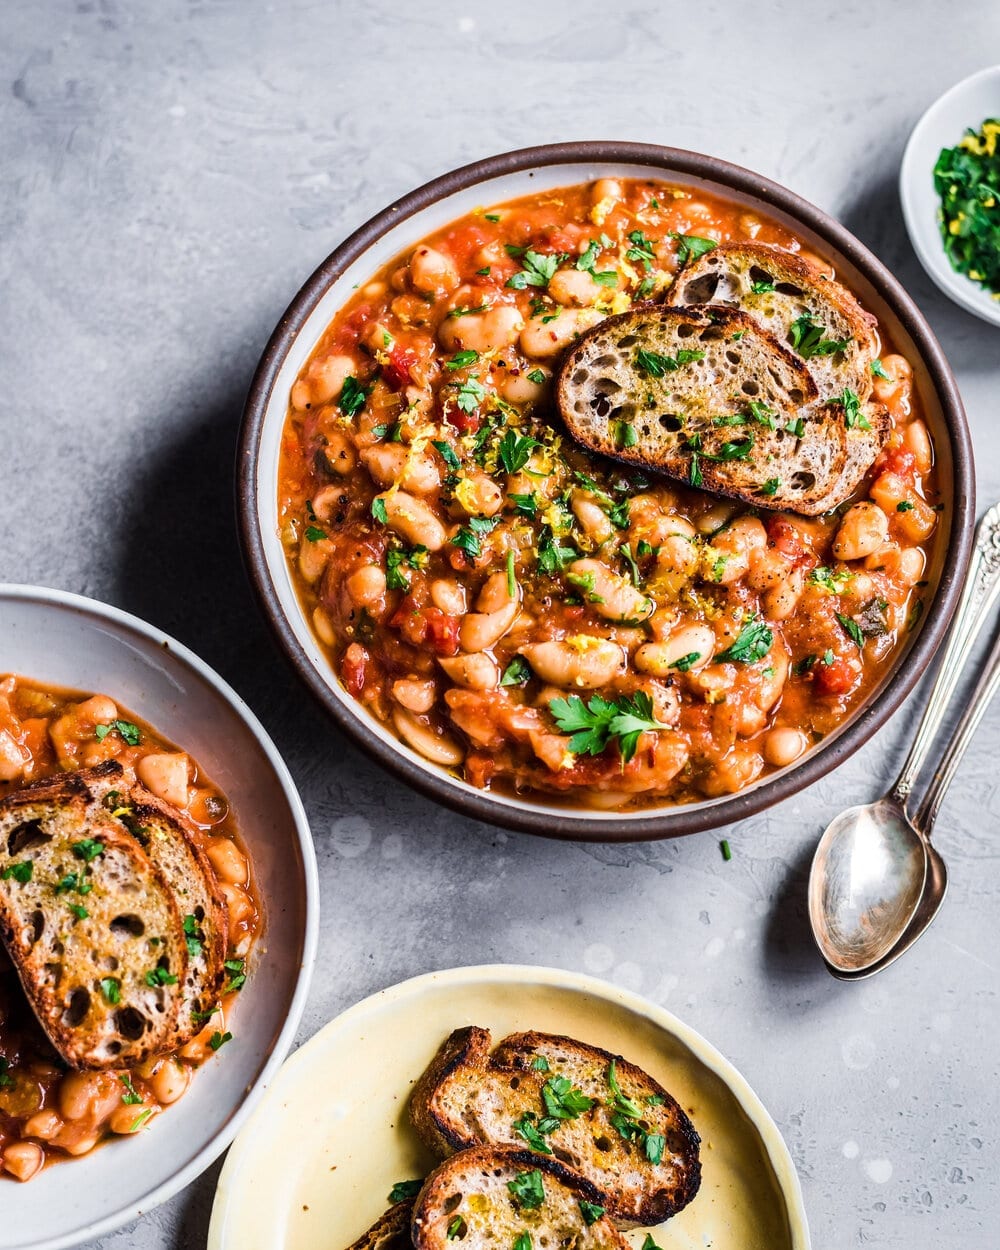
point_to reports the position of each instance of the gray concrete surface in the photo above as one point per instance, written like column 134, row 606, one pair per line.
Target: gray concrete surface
column 171, row 172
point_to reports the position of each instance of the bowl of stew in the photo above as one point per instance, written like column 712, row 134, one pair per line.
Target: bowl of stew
column 415, row 517
column 83, row 684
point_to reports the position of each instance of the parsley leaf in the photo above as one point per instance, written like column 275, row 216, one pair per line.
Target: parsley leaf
column 525, row 505
column 641, row 249
column 394, row 578
column 517, row 673
column 87, row 849
column 525, row 1127
column 160, row 976
column 20, row 872
column 806, row 337
column 771, row 486
column 686, row 662
column 6, row 1080
column 462, row 359
column 131, row 1097
column 467, row 538
column 691, row 246
column 656, row 365
column 540, row 1063
column 851, row 404
column 878, row 371
column 654, row 1147
column 590, row 1211
column 752, row 644
column 552, row 555
column 523, row 1241
column 528, row 1189
column 447, row 453
column 852, row 629
column 463, row 310
column 625, row 435
column 762, row 287
column 352, row 398
column 405, row 1189
column 192, row 935
column 219, row 1039
column 539, row 269
column 593, row 725
column 378, row 510
column 128, row 732
column 738, row 449
column 562, row 1100
column 537, row 376
column 587, row 263
column 313, row 534
column 514, row 450
column 470, row 395
column 112, row 990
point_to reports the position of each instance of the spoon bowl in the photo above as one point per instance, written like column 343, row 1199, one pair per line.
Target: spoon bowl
column 865, row 885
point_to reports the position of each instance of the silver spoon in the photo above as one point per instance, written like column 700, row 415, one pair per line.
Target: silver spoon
column 875, row 878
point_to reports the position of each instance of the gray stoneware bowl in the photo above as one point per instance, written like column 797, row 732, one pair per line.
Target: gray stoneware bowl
column 63, row 640
column 506, row 177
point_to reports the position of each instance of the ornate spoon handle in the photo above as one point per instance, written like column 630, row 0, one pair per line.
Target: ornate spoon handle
column 982, row 585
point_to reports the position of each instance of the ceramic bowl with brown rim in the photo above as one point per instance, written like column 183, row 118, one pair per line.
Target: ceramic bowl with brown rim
column 496, row 181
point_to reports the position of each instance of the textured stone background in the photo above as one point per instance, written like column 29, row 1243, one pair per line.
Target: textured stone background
column 171, row 173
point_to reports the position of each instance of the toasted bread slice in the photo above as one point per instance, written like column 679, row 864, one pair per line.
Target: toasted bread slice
column 645, row 1166
column 491, row 1196
column 391, row 1231
column 778, row 288
column 864, row 441
column 169, row 839
column 90, row 924
column 704, row 395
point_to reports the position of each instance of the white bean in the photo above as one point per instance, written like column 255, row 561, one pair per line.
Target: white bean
column 431, row 272
column 583, row 661
column 413, row 520
column 394, row 462
column 784, row 745
column 448, row 595
column 574, row 288
column 660, row 658
column 864, row 529
column 166, row 775
column 413, row 694
column 593, row 519
column 22, row 1159
column 439, row 748
column 12, row 758
column 475, row 671
column 545, row 335
column 610, row 595
column 488, row 331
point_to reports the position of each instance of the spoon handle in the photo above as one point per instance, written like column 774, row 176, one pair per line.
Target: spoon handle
column 982, row 585
column 983, row 694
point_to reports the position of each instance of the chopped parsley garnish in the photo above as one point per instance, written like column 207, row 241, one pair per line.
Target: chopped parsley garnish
column 528, row 1189
column 796, row 426
column 112, row 990
column 74, row 881
column 470, row 395
column 752, row 644
column 526, row 1127
column 852, row 629
column 625, row 551
column 160, row 976
column 128, row 732
column 762, row 287
column 522, row 1241
column 691, row 246
column 967, row 178
column 833, row 580
column 590, row 1211
column 904, row 505
column 140, row 1119
column 193, row 935
column 88, row 849
column 762, row 414
column 641, row 249
column 656, row 365
column 625, row 435
column 807, row 338
column 79, row 911
column 352, row 398
column 851, row 404
column 878, row 371
column 218, row 1040
column 686, row 662
column 594, row 724
column 20, row 872
column 525, row 505
column 562, row 1100
column 694, row 472
column 6, row 1080
column 237, row 975
column 539, row 269
column 537, row 376
column 552, row 555
column 654, row 1147
column 491, row 216
column 467, row 538
column 462, row 359
column 587, row 263
column 405, row 1189
column 378, row 510
column 131, row 1097
column 394, row 578
column 726, row 849
column 447, row 453
column 517, row 673
column 738, row 449
column 391, row 433
column 463, row 310
column 540, row 1064
column 314, row 534
column 456, row 1228
column 771, row 486
column 514, row 450
column 649, row 1243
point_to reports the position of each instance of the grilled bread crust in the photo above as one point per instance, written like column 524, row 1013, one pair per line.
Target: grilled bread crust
column 469, row 1096
column 391, row 1231
column 168, row 837
column 741, row 420
column 94, row 931
column 472, row 1187
column 727, row 275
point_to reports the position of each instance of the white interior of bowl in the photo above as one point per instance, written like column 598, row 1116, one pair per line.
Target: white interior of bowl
column 64, row 640
column 967, row 105
column 407, row 234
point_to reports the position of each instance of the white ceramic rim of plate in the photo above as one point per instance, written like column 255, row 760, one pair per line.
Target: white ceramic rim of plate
column 920, row 201
column 217, row 1144
column 556, row 978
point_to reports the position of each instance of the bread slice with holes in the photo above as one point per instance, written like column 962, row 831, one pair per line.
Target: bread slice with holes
column 628, row 1139
column 90, row 924
column 707, row 396
column 492, row 1196
column 795, row 300
column 865, row 439
column 391, row 1231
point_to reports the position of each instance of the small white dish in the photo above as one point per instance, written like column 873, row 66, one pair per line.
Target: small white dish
column 64, row 640
column 965, row 106
column 315, row 1164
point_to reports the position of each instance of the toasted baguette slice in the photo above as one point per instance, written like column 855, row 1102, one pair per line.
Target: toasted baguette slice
column 727, row 275
column 391, row 1231
column 741, row 420
column 470, row 1194
column 468, row 1096
column 170, row 841
column 89, row 921
column 864, row 442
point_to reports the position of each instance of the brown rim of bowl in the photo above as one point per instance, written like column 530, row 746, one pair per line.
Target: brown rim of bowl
column 665, row 822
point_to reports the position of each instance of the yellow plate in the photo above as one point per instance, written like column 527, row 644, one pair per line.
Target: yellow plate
column 313, row 1167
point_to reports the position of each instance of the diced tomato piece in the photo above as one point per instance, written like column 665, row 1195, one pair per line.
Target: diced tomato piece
column 397, row 371
column 410, row 621
column 785, row 536
column 899, row 461
column 442, row 631
column 353, row 668
column 462, row 243
column 353, row 326
column 837, row 678
column 459, row 419
column 479, row 769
